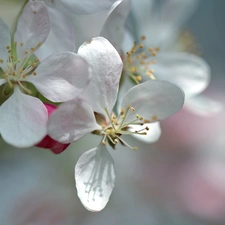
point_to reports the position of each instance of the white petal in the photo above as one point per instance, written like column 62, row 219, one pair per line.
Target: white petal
column 203, row 106
column 5, row 41
column 23, row 120
column 61, row 35
column 86, row 6
column 2, row 81
column 95, row 177
column 188, row 71
column 107, row 67
column 150, row 99
column 33, row 27
column 71, row 121
column 61, row 76
column 153, row 134
column 113, row 28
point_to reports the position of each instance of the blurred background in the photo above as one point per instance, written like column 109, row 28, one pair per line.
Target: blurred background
column 180, row 180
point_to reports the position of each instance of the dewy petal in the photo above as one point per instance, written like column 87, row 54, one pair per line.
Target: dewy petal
column 153, row 134
column 71, row 121
column 5, row 40
column 61, row 77
column 23, row 120
column 86, row 6
column 61, row 35
column 153, row 100
column 107, row 67
column 203, row 106
column 113, row 29
column 95, row 177
column 188, row 71
column 33, row 27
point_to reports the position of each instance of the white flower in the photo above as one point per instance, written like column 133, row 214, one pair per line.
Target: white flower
column 72, row 23
column 93, row 112
column 60, row 77
column 153, row 25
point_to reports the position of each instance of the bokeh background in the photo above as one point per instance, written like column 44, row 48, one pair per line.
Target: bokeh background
column 180, row 180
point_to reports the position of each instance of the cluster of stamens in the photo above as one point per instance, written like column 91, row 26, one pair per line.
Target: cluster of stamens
column 18, row 69
column 118, row 126
column 138, row 61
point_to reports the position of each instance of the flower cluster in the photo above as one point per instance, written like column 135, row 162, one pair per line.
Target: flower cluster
column 119, row 82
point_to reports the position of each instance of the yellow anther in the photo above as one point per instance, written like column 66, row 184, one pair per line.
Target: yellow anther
column 157, row 49
column 139, row 78
column 21, row 44
column 116, row 140
column 25, row 52
column 143, row 37
column 147, row 128
column 133, row 69
column 12, row 57
column 132, row 109
column 34, row 73
column 154, row 118
column 1, row 60
column 32, row 49
column 103, row 142
column 8, row 47
column 135, row 148
column 141, row 45
column 122, row 111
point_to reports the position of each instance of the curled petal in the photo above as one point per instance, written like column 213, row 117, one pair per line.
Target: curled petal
column 71, row 121
column 95, row 177
column 188, row 71
column 113, row 29
column 23, row 120
column 153, row 100
column 5, row 41
column 203, row 106
column 107, row 67
column 32, row 29
column 153, row 134
column 61, row 77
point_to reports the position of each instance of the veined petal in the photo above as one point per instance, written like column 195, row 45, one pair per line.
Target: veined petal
column 86, row 6
column 5, row 41
column 188, row 71
column 153, row 134
column 113, row 29
column 61, row 35
column 23, row 120
column 153, row 100
column 32, row 29
column 95, row 177
column 203, row 106
column 71, row 121
column 61, row 77
column 107, row 67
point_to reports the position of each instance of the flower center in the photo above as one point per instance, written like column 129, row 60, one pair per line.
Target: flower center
column 118, row 126
column 18, row 69
column 138, row 60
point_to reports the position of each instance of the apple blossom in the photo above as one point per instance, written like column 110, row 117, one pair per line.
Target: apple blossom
column 93, row 112
column 60, row 77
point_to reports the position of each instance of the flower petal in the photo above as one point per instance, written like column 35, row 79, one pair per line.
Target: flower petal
column 23, row 119
column 153, row 134
column 48, row 142
column 32, row 29
column 107, row 67
column 61, row 76
column 61, row 35
column 95, row 177
column 71, row 121
column 188, row 71
column 203, row 106
column 113, row 29
column 86, row 6
column 5, row 41
column 153, row 100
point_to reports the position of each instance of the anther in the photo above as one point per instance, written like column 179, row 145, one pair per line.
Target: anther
column 143, row 37
column 132, row 109
column 154, row 118
column 25, row 52
column 21, row 44
column 135, row 148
